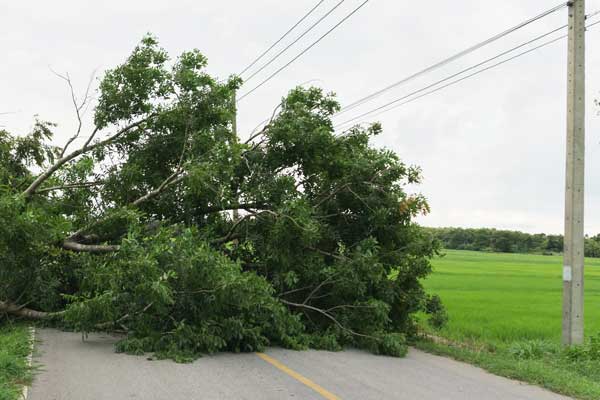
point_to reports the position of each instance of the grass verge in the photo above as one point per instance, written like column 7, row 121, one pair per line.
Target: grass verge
column 14, row 368
column 555, row 370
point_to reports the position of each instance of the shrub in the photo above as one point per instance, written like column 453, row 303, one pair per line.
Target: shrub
column 589, row 351
column 438, row 317
column 532, row 349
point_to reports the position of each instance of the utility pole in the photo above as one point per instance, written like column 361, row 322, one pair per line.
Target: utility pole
column 236, row 213
column 234, row 122
column 572, row 323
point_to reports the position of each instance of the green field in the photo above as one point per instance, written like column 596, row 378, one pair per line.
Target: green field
column 505, row 316
column 501, row 298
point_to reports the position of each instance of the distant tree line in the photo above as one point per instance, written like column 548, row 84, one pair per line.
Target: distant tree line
column 486, row 239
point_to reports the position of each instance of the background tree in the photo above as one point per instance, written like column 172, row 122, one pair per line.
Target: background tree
column 485, row 239
column 134, row 230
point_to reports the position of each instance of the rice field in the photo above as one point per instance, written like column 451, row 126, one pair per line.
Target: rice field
column 502, row 298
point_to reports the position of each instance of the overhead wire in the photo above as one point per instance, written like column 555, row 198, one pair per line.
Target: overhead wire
column 454, row 57
column 592, row 15
column 590, row 25
column 354, row 11
column 310, row 28
column 457, row 73
column 282, row 37
column 446, row 85
column 382, row 109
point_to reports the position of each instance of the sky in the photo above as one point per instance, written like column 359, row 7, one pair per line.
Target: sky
column 492, row 148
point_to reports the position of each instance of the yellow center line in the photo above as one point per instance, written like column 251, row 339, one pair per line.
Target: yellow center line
column 326, row 394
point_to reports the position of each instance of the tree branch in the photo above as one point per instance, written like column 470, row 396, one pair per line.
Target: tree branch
column 295, row 290
column 89, row 248
column 170, row 181
column 104, row 325
column 331, row 194
column 348, row 306
column 72, row 242
column 87, row 147
column 316, row 289
column 326, row 253
column 71, row 186
column 329, row 316
column 264, row 129
column 21, row 311
column 176, row 177
column 277, row 215
column 230, row 235
column 78, row 107
column 91, row 137
column 229, row 207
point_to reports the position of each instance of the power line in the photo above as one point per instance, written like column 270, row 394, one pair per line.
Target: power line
column 468, row 69
column 463, row 78
column 276, row 56
column 595, row 23
column 304, row 51
column 592, row 15
column 453, row 82
column 282, row 37
column 454, row 75
column 452, row 58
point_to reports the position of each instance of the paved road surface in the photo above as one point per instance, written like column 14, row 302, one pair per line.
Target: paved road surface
column 76, row 370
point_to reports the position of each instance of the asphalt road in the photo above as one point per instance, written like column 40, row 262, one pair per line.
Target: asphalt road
column 75, row 370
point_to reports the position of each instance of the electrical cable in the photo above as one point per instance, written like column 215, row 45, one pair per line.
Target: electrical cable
column 456, row 74
column 304, row 51
column 281, row 38
column 276, row 56
column 452, row 58
column 383, row 110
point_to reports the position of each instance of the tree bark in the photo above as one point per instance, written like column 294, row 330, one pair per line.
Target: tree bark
column 25, row 312
column 90, row 248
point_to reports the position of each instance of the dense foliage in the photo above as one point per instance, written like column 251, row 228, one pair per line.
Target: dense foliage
column 165, row 225
column 485, row 239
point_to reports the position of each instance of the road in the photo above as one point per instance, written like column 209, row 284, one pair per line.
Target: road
column 75, row 370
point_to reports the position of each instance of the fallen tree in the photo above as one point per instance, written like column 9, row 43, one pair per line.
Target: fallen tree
column 165, row 225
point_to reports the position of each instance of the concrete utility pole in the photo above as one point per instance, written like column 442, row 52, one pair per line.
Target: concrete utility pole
column 234, row 122
column 572, row 325
column 236, row 213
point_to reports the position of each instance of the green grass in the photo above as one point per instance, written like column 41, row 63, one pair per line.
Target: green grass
column 507, row 297
column 500, row 303
column 14, row 369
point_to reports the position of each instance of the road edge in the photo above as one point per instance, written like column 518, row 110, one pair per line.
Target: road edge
column 25, row 390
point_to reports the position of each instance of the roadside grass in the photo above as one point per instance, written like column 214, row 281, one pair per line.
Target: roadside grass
column 505, row 316
column 14, row 369
column 554, row 371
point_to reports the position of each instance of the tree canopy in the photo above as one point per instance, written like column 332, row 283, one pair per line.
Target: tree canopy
column 164, row 224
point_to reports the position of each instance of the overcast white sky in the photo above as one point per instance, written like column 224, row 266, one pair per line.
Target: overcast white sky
column 491, row 148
